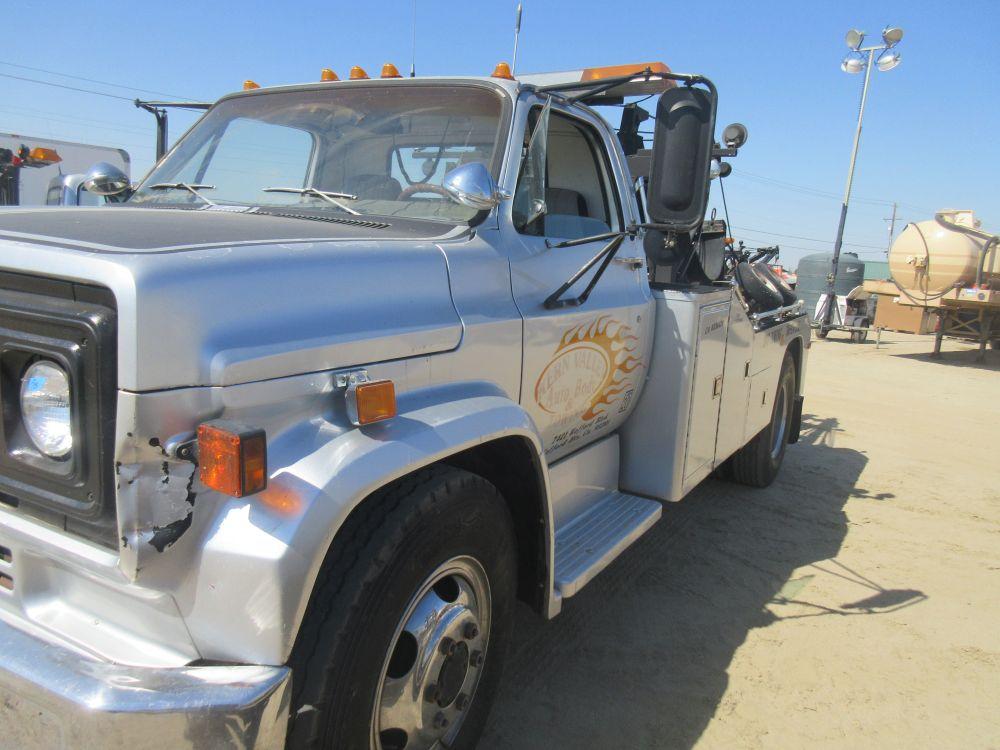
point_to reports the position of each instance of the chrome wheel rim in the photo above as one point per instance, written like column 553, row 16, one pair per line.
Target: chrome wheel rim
column 779, row 422
column 435, row 660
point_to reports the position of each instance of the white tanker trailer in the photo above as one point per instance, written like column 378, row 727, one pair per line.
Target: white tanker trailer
column 950, row 265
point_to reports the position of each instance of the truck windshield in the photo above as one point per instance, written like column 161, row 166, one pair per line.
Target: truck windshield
column 354, row 148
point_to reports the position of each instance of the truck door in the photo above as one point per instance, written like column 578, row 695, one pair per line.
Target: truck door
column 582, row 365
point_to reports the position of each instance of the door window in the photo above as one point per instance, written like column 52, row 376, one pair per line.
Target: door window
column 573, row 177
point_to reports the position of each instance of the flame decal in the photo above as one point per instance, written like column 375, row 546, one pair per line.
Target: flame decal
column 618, row 344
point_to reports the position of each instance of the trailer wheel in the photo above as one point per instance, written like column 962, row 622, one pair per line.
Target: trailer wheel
column 404, row 638
column 757, row 463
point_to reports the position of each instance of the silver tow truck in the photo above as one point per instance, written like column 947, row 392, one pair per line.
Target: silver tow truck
column 289, row 426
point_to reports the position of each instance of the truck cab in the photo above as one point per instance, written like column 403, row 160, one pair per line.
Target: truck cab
column 290, row 426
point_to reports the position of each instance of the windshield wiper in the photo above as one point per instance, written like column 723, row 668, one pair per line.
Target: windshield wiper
column 326, row 195
column 192, row 188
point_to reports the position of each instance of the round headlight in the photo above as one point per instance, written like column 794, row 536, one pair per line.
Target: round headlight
column 45, row 408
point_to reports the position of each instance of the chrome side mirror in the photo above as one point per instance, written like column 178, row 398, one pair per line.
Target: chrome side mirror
column 472, row 185
column 105, row 179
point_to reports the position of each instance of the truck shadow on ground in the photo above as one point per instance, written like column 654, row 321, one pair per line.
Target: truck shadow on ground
column 639, row 658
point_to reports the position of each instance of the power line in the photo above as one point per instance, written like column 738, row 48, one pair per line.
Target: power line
column 810, row 239
column 92, row 80
column 816, row 192
column 73, row 120
column 71, row 88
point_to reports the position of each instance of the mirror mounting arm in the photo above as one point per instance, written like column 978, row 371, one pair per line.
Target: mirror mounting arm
column 606, row 254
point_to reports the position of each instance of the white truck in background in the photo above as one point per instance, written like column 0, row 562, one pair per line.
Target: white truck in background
column 54, row 176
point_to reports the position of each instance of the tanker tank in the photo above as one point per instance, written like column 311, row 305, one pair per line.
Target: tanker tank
column 951, row 267
column 929, row 259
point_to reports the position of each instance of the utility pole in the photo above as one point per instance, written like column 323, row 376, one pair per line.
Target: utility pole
column 892, row 227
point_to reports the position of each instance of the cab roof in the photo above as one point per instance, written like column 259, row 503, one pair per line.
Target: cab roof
column 647, row 80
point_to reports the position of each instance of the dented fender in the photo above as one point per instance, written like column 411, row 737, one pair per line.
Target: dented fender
column 242, row 569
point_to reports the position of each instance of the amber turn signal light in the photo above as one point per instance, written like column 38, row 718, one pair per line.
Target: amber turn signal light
column 502, row 70
column 328, row 75
column 232, row 458
column 370, row 402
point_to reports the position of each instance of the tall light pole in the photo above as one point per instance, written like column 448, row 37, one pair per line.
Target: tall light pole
column 858, row 59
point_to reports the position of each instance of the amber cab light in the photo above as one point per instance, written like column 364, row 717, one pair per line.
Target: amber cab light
column 232, row 458
column 390, row 71
column 371, row 402
column 328, row 75
column 44, row 155
column 249, row 85
column 616, row 71
column 502, row 70
column 358, row 73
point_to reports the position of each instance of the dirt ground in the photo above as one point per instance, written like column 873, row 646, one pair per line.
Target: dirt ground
column 854, row 603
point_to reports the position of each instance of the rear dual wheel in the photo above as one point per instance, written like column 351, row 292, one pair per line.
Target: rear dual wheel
column 758, row 462
column 403, row 642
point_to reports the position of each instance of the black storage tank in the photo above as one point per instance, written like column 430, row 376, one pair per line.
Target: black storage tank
column 812, row 273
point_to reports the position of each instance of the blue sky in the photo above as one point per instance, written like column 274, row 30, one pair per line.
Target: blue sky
column 929, row 140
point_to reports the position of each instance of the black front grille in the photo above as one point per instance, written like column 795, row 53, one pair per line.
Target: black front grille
column 75, row 326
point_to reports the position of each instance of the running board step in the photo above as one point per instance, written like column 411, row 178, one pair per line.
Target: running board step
column 586, row 545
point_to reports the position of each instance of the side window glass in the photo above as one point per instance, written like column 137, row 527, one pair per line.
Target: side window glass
column 565, row 189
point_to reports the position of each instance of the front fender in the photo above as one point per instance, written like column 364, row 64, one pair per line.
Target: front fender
column 268, row 548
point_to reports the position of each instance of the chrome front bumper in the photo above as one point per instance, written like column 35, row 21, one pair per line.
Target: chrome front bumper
column 52, row 697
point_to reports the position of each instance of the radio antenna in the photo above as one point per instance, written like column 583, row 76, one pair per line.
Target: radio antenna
column 517, row 33
column 413, row 42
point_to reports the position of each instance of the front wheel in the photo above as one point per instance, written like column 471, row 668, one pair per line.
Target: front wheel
column 757, row 463
column 403, row 643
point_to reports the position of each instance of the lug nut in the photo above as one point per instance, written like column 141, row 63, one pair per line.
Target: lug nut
column 433, row 694
column 447, row 646
column 462, row 702
column 471, row 631
column 440, row 720
column 476, row 659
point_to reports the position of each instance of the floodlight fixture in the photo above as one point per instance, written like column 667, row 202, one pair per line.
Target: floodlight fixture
column 854, row 39
column 853, row 63
column 888, row 60
column 892, row 35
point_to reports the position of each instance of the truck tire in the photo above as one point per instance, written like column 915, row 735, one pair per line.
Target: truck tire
column 787, row 293
column 367, row 671
column 757, row 463
column 759, row 288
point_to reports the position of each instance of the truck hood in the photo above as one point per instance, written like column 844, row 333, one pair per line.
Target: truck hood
column 213, row 298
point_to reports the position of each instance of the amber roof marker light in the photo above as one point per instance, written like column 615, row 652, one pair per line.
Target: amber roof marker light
column 502, row 70
column 390, row 71
column 328, row 75
column 358, row 73
column 249, row 85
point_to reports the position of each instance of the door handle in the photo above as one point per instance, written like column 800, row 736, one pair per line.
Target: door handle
column 630, row 262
